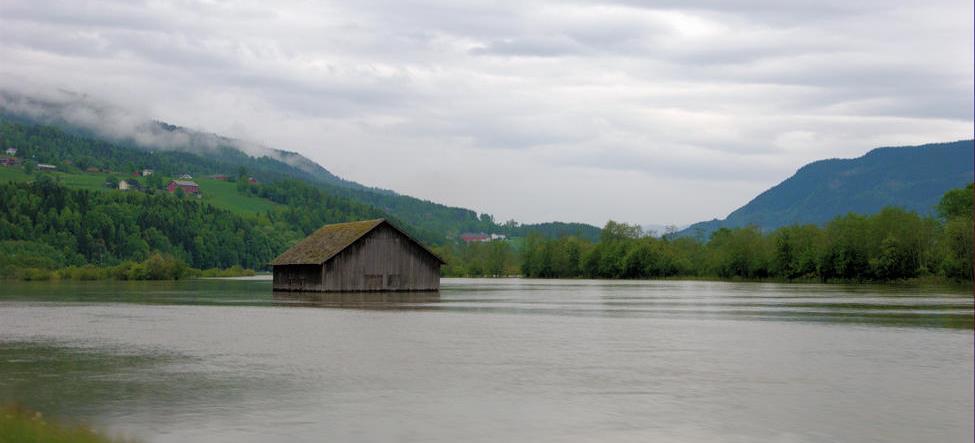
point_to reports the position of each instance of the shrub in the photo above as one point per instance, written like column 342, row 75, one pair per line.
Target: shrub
column 86, row 273
column 233, row 271
column 35, row 274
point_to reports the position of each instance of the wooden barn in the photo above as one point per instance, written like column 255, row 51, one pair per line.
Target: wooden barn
column 371, row 255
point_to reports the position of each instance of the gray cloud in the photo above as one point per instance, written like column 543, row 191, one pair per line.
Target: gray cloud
column 531, row 46
column 650, row 112
column 112, row 122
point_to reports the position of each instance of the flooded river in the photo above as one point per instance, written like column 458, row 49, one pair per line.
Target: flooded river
column 495, row 360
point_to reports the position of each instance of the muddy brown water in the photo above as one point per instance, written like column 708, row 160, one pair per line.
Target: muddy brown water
column 495, row 360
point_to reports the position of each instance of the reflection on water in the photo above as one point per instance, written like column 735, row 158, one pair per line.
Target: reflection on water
column 358, row 300
column 495, row 360
column 890, row 305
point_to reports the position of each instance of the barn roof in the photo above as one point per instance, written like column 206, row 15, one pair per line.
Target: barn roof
column 329, row 240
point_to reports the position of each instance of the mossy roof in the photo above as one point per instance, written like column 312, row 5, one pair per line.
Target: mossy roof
column 329, row 240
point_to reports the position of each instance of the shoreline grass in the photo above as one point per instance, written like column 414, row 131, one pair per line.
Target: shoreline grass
column 122, row 272
column 19, row 424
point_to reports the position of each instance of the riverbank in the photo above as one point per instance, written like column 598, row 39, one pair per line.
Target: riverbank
column 925, row 281
column 156, row 267
column 124, row 273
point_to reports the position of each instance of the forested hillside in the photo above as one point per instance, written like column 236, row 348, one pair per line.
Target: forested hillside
column 74, row 216
column 75, row 150
column 911, row 178
column 105, row 228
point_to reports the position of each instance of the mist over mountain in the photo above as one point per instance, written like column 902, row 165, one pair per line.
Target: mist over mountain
column 84, row 115
column 912, row 177
column 107, row 134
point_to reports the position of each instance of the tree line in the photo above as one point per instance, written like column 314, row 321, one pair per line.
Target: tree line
column 56, row 226
column 892, row 244
column 144, row 235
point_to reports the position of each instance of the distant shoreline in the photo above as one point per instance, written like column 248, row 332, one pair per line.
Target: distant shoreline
column 920, row 282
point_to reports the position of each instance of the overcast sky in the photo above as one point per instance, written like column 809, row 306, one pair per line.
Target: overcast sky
column 645, row 112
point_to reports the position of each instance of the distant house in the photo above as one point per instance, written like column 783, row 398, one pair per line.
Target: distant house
column 498, row 236
column 11, row 151
column 8, row 161
column 471, row 237
column 130, row 184
column 123, row 185
column 146, row 172
column 189, row 187
column 220, row 177
column 252, row 180
column 46, row 167
column 186, row 177
column 91, row 169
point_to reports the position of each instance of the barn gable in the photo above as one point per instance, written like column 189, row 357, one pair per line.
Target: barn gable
column 371, row 255
column 324, row 243
column 329, row 240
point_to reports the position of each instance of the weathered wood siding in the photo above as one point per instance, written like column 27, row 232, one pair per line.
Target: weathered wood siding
column 298, row 278
column 382, row 260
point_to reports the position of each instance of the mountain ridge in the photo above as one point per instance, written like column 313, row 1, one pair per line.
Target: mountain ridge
column 78, row 114
column 910, row 177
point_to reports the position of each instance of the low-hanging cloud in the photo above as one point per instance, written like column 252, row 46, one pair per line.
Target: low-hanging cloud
column 649, row 112
column 118, row 124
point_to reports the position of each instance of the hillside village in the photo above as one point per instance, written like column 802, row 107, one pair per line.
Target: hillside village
column 142, row 180
column 146, row 180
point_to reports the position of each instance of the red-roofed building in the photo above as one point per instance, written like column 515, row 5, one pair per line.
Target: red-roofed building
column 470, row 237
column 188, row 187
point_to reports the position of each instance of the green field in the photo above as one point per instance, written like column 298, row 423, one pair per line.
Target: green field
column 218, row 193
column 12, row 174
column 91, row 182
column 224, row 195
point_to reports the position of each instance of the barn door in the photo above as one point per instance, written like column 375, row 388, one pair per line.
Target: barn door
column 374, row 282
column 393, row 281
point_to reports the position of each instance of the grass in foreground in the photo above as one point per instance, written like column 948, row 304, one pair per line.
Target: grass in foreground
column 21, row 425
